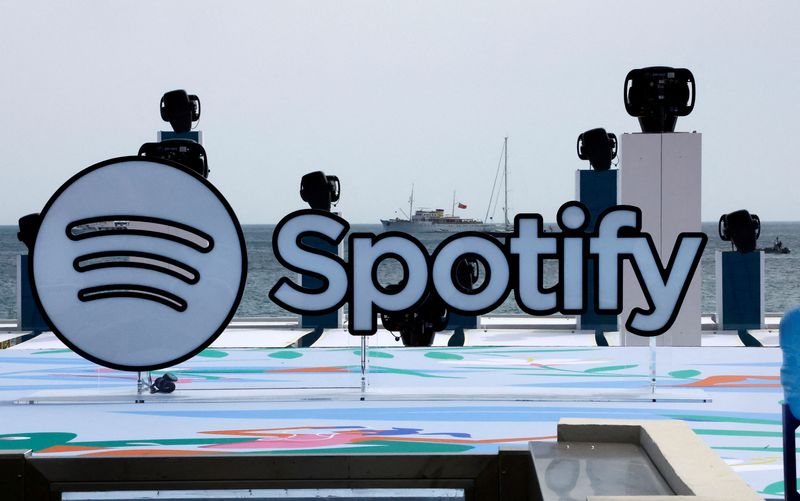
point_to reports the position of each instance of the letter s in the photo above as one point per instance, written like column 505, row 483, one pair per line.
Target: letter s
column 295, row 253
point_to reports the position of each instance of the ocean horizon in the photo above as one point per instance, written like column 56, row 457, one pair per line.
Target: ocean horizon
column 781, row 281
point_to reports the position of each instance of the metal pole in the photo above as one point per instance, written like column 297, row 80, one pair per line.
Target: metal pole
column 653, row 366
column 411, row 203
column 505, row 178
column 364, row 368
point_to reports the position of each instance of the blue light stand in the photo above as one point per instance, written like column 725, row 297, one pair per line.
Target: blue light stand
column 457, row 321
column 597, row 190
column 332, row 320
column 29, row 318
column 194, row 135
column 740, row 292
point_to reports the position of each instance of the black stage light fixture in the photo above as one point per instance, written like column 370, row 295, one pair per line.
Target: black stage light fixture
column 28, row 229
column 598, row 147
column 467, row 273
column 658, row 95
column 417, row 327
column 319, row 190
column 180, row 109
column 740, row 228
column 164, row 384
column 186, row 152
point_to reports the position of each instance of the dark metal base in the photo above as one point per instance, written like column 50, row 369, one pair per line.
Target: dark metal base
column 507, row 475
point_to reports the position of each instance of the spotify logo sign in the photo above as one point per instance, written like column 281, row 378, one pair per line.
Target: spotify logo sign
column 138, row 264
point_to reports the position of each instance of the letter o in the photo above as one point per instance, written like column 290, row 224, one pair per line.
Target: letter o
column 490, row 294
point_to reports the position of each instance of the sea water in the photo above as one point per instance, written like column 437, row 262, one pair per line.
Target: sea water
column 781, row 281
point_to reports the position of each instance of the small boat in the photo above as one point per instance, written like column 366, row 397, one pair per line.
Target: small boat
column 777, row 247
column 437, row 221
column 434, row 221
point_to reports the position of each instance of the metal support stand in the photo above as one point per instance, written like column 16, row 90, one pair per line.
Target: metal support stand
column 653, row 366
column 364, row 367
column 143, row 384
column 790, row 424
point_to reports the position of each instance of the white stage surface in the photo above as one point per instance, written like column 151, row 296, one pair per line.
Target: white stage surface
column 243, row 397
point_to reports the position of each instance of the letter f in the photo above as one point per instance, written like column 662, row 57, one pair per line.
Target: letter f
column 610, row 250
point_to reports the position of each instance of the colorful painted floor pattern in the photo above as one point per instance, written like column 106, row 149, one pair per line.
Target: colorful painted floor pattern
column 742, row 423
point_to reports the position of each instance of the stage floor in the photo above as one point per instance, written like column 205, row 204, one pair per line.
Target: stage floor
column 418, row 400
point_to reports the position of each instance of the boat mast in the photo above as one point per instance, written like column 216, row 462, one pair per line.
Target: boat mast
column 505, row 177
column 453, row 210
column 411, row 203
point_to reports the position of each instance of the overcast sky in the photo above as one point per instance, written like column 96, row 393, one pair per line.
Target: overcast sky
column 386, row 94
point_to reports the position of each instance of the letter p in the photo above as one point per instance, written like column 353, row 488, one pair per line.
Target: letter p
column 367, row 296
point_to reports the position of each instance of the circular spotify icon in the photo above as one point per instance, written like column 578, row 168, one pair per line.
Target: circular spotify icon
column 138, row 264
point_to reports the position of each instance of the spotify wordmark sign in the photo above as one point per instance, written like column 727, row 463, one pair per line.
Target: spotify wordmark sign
column 516, row 264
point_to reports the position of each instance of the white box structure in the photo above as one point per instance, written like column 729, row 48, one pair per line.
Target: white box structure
column 661, row 174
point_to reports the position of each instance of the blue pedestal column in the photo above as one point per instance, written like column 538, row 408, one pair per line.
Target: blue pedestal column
column 194, row 135
column 458, row 323
column 28, row 316
column 597, row 190
column 740, row 290
column 332, row 320
column 465, row 322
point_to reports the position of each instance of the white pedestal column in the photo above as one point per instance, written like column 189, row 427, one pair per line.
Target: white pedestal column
column 661, row 174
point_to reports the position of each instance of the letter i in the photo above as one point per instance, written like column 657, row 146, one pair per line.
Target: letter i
column 572, row 218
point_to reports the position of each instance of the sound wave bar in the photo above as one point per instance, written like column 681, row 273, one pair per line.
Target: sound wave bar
column 133, row 291
column 135, row 259
column 140, row 225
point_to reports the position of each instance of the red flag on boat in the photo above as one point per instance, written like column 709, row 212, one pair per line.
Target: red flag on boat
column 462, row 206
